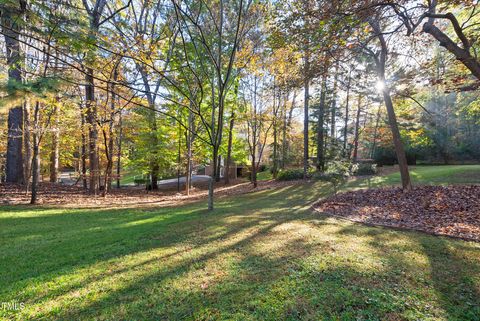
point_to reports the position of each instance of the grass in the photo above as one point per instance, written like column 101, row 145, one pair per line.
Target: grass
column 429, row 175
column 128, row 177
column 262, row 255
column 264, row 176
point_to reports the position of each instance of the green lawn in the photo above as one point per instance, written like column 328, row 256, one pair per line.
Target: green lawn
column 262, row 255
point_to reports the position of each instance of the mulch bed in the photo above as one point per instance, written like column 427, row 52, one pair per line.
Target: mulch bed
column 441, row 210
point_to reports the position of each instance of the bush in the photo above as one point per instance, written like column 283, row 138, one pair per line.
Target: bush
column 262, row 168
column 362, row 169
column 386, row 156
column 291, row 174
column 140, row 180
column 337, row 174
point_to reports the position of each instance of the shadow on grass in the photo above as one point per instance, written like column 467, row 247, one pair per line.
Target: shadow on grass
column 246, row 260
column 450, row 270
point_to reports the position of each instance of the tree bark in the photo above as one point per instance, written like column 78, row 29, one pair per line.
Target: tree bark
column 345, row 129
column 119, row 148
column 83, row 150
column 320, row 123
column 306, row 120
column 372, row 152
column 254, row 171
column 35, row 159
column 380, row 61
column 10, row 17
column 189, row 134
column 357, row 129
column 54, row 152
column 333, row 114
column 91, row 119
column 27, row 143
column 229, row 149
column 94, row 15
column 461, row 54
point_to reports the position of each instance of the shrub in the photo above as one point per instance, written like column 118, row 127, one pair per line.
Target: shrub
column 362, row 169
column 291, row 174
column 140, row 180
column 337, row 174
column 262, row 168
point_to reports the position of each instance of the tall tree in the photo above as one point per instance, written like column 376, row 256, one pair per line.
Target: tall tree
column 380, row 58
column 12, row 17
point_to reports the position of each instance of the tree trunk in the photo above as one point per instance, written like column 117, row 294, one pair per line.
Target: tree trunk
column 320, row 134
column 54, row 152
column 35, row 159
column 254, row 171
column 306, row 120
column 212, row 178
column 357, row 129
column 284, row 135
column 27, row 144
column 119, row 148
column 91, row 118
column 229, row 149
column 14, row 170
column 345, row 129
column 83, row 150
column 188, row 174
column 219, row 167
column 154, row 176
column 10, row 18
column 372, row 152
column 392, row 118
column 401, row 156
column 333, row 114
column 107, row 185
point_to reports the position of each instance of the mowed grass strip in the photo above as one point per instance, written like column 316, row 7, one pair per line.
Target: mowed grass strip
column 263, row 255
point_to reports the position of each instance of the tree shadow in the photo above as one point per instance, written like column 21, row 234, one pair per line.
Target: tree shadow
column 436, row 266
column 62, row 242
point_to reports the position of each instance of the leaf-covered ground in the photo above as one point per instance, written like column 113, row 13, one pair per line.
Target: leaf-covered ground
column 444, row 210
column 259, row 256
column 75, row 196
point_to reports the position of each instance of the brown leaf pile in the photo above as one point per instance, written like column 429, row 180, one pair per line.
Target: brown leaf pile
column 442, row 210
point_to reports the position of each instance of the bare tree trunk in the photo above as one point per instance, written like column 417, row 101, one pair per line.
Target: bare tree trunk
column 54, row 152
column 229, row 149
column 254, row 171
column 276, row 108
column 91, row 118
column 284, row 135
column 372, row 152
column 27, row 144
column 333, row 111
column 83, row 150
column 11, row 18
column 345, row 129
column 392, row 118
column 35, row 160
column 107, row 184
column 94, row 15
column 320, row 134
column 306, row 120
column 212, row 178
column 219, row 167
column 119, row 148
column 357, row 129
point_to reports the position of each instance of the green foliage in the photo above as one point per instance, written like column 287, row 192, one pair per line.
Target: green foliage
column 362, row 169
column 290, row 174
